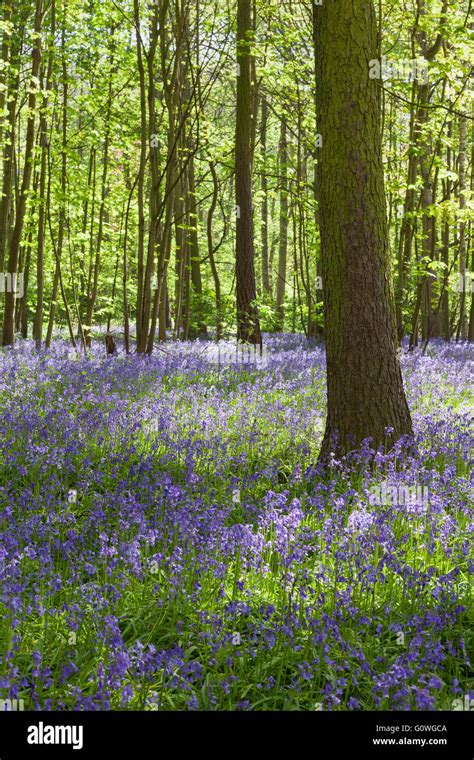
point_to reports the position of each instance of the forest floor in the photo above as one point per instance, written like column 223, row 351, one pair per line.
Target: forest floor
column 168, row 541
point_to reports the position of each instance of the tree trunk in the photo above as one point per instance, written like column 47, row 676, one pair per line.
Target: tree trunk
column 445, row 235
column 141, row 175
column 248, row 328
column 264, row 188
column 471, row 315
column 462, row 331
column 9, row 84
column 94, row 284
column 212, row 249
column 283, row 245
column 43, row 138
column 9, row 318
column 364, row 382
column 22, row 313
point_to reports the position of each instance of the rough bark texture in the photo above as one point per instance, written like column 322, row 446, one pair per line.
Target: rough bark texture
column 248, row 328
column 365, row 389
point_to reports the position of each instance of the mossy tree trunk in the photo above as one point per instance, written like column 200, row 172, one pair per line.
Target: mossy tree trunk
column 364, row 381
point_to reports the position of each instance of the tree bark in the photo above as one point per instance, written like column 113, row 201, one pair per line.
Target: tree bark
column 283, row 244
column 264, row 187
column 462, row 332
column 94, row 284
column 9, row 317
column 248, row 327
column 43, row 137
column 364, row 382
column 471, row 315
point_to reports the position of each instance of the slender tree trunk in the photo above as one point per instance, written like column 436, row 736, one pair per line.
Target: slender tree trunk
column 423, row 150
column 150, row 295
column 58, row 248
column 52, row 306
column 94, row 285
column 9, row 317
column 21, row 315
column 141, row 175
column 248, row 328
column 5, row 56
column 264, row 188
column 211, row 249
column 408, row 222
column 445, row 235
column 38, row 319
column 9, row 85
column 180, row 256
column 163, row 313
column 126, row 306
column 196, row 277
column 471, row 316
column 283, row 244
column 463, row 328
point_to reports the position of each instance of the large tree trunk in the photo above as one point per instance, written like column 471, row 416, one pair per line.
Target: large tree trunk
column 364, row 381
column 248, row 328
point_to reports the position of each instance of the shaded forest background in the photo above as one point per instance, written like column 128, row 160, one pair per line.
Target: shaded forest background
column 120, row 125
